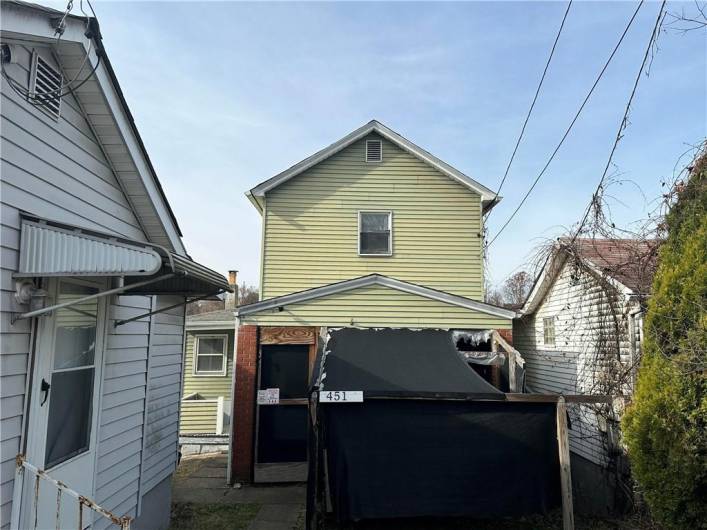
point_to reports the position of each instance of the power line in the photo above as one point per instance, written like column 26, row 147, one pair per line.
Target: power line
column 535, row 98
column 571, row 125
column 624, row 119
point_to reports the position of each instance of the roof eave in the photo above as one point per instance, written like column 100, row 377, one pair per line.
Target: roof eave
column 373, row 279
column 487, row 195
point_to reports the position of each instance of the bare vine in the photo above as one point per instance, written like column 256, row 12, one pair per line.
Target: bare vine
column 597, row 323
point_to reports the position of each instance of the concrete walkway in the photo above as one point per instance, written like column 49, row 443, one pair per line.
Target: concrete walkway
column 202, row 480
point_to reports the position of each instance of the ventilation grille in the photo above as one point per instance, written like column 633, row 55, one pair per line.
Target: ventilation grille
column 45, row 88
column 374, row 151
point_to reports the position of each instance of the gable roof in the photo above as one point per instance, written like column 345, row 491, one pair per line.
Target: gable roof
column 488, row 197
column 222, row 318
column 629, row 263
column 105, row 109
column 365, row 281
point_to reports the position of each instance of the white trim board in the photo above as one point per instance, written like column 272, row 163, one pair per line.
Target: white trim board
column 488, row 197
column 374, row 279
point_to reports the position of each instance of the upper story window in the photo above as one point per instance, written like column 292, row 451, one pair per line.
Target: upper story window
column 549, row 331
column 210, row 354
column 375, row 233
column 374, row 151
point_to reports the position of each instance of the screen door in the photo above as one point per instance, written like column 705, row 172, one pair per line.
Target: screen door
column 64, row 405
column 281, row 440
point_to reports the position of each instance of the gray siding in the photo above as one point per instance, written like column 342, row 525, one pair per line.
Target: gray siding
column 122, row 407
column 57, row 170
column 571, row 365
column 164, row 392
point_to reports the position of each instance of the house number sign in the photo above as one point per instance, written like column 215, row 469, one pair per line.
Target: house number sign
column 341, row 396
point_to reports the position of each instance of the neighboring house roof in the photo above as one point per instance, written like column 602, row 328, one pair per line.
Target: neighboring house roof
column 213, row 319
column 104, row 107
column 365, row 281
column 488, row 197
column 629, row 263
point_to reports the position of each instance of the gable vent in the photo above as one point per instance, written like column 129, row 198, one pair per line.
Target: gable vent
column 45, row 86
column 374, row 151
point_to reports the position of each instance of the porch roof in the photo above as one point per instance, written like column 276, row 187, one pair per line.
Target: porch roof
column 49, row 248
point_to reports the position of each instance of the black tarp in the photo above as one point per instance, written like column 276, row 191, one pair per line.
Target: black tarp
column 399, row 362
column 465, row 452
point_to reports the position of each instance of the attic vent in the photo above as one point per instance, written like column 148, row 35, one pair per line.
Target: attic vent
column 45, row 86
column 374, row 151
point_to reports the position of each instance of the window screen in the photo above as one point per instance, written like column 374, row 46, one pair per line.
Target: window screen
column 549, row 331
column 375, row 233
column 282, row 434
column 211, row 355
column 285, row 366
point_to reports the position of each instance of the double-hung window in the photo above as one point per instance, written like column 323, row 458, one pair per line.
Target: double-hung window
column 210, row 354
column 375, row 233
column 549, row 331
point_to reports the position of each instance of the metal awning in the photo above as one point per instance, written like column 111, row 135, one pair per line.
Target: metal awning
column 50, row 248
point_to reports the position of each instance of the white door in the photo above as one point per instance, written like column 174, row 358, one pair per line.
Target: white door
column 64, row 408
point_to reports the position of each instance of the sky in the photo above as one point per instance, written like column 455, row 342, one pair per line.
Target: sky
column 228, row 94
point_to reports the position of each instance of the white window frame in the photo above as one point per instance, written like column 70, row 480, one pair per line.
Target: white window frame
column 390, row 226
column 366, row 153
column 195, row 370
column 554, row 331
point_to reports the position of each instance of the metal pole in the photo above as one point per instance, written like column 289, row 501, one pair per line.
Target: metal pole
column 117, row 290
column 127, row 320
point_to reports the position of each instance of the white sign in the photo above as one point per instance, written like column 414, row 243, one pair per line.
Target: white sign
column 269, row 396
column 341, row 396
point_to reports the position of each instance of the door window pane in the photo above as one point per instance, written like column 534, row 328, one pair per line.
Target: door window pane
column 285, row 367
column 282, row 433
column 70, row 411
column 75, row 340
column 71, row 390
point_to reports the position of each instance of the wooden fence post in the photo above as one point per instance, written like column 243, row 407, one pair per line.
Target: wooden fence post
column 565, row 471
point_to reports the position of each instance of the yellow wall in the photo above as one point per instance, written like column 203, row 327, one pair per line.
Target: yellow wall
column 311, row 225
column 198, row 417
column 377, row 306
column 212, row 386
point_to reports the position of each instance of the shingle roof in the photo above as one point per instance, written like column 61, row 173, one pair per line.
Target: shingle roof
column 629, row 261
column 223, row 315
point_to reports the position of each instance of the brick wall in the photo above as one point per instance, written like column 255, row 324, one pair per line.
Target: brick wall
column 243, row 418
column 507, row 335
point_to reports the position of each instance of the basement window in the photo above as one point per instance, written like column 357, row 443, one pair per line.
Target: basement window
column 210, row 355
column 374, row 151
column 549, row 331
column 45, row 86
column 375, row 234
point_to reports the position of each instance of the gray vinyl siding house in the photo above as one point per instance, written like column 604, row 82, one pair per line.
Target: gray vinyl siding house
column 580, row 332
column 83, row 176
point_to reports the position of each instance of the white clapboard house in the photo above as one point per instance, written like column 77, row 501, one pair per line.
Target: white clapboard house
column 580, row 332
column 94, row 280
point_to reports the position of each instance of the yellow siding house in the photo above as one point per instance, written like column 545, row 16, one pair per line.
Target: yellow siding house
column 371, row 231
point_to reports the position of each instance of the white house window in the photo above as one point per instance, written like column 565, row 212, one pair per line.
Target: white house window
column 374, row 151
column 549, row 331
column 210, row 355
column 375, row 234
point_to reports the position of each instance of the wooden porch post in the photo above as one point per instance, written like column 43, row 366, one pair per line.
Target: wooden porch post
column 565, row 472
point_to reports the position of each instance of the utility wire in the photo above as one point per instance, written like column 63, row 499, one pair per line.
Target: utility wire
column 571, row 125
column 624, row 119
column 535, row 98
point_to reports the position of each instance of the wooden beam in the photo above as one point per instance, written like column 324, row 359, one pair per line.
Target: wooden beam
column 554, row 398
column 563, row 448
column 288, row 335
